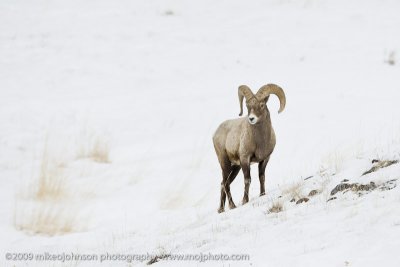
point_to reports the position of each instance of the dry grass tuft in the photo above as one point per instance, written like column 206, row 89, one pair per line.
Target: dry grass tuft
column 46, row 207
column 51, row 182
column 275, row 207
column 391, row 58
column 100, row 151
column 94, row 147
column 46, row 218
column 334, row 161
column 294, row 190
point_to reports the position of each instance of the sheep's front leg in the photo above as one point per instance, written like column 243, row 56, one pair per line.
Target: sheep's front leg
column 261, row 174
column 247, row 179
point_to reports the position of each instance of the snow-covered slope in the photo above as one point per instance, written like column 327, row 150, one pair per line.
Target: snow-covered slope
column 107, row 109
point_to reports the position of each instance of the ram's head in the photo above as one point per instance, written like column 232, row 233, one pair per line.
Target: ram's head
column 256, row 104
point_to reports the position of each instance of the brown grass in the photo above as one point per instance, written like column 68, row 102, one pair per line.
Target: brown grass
column 334, row 161
column 95, row 148
column 100, row 151
column 46, row 206
column 275, row 207
column 51, row 182
column 46, row 218
column 293, row 190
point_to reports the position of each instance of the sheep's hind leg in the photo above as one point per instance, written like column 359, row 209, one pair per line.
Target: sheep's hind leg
column 234, row 172
column 226, row 170
column 222, row 199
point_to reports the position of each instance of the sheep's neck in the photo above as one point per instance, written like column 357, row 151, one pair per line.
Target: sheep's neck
column 262, row 132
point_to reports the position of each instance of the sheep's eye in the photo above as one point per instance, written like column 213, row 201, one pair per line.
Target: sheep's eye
column 261, row 105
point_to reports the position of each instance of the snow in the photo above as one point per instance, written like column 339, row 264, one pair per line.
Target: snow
column 152, row 80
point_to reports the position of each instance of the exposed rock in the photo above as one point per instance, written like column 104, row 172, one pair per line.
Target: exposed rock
column 340, row 187
column 313, row 193
column 388, row 185
column 354, row 187
column 332, row 198
column 380, row 165
column 157, row 258
column 293, row 200
column 301, row 200
column 309, row 177
column 345, row 180
column 360, row 188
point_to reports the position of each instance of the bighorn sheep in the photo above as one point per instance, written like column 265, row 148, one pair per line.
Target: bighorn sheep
column 240, row 142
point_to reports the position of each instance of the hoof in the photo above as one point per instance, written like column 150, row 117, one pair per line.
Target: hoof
column 220, row 210
column 233, row 206
column 245, row 200
column 262, row 194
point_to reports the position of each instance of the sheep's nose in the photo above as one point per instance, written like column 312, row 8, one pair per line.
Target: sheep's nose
column 251, row 118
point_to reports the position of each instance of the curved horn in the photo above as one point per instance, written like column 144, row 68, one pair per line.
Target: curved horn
column 244, row 91
column 268, row 89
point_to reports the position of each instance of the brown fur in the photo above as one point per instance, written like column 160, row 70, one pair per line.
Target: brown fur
column 239, row 143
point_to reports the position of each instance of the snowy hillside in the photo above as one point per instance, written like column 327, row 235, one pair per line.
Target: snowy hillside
column 107, row 110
